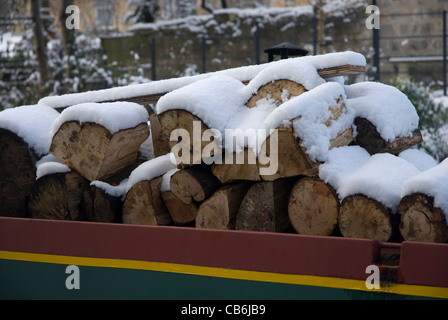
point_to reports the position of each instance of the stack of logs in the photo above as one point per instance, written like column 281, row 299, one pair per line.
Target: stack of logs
column 225, row 196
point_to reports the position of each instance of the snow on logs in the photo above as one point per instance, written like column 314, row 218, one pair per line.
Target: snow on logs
column 286, row 151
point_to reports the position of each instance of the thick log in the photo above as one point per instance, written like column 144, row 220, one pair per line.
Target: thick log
column 421, row 220
column 220, row 210
column 363, row 217
column 17, row 173
column 265, row 207
column 144, row 204
column 181, row 213
column 279, row 90
column 293, row 159
column 181, row 121
column 195, row 183
column 94, row 152
column 234, row 170
column 313, row 207
column 370, row 139
column 160, row 141
column 13, row 201
column 58, row 196
column 100, row 206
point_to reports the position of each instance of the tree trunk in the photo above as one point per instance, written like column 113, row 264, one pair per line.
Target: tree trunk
column 144, row 204
column 370, row 139
column 265, row 207
column 40, row 45
column 362, row 217
column 94, row 152
column 58, row 196
column 313, row 207
column 181, row 213
column 220, row 210
column 194, row 183
column 421, row 220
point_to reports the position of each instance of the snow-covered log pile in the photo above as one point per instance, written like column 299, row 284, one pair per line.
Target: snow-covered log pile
column 282, row 147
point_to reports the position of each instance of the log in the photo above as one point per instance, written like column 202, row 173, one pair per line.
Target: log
column 421, row 220
column 94, row 152
column 195, row 183
column 265, row 207
column 313, row 207
column 363, row 217
column 144, row 204
column 181, row 213
column 279, row 90
column 58, row 196
column 12, row 200
column 185, row 121
column 160, row 141
column 100, row 206
column 370, row 139
column 293, row 159
column 228, row 171
column 221, row 209
column 17, row 173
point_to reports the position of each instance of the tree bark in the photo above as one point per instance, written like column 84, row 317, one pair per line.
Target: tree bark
column 421, row 220
column 40, row 44
column 370, row 139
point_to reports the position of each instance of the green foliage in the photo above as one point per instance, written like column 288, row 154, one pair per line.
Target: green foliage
column 433, row 117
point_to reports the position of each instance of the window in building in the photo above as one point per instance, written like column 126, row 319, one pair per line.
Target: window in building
column 104, row 14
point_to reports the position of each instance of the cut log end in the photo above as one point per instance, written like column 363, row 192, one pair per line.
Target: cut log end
column 421, row 220
column 94, row 152
column 280, row 90
column 362, row 217
column 313, row 207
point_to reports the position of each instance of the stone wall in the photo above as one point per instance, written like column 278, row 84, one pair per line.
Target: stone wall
column 229, row 39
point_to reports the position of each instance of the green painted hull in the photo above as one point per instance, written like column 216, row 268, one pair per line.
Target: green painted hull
column 43, row 259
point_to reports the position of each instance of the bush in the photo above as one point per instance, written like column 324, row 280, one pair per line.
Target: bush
column 433, row 117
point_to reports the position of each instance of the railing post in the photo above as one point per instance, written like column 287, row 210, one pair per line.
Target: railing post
column 444, row 53
column 153, row 58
